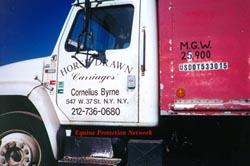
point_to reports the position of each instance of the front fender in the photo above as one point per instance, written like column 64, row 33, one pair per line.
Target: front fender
column 17, row 88
column 41, row 100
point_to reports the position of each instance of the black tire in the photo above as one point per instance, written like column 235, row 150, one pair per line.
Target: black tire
column 24, row 141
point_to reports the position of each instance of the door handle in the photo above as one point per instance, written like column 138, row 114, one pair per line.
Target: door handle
column 143, row 49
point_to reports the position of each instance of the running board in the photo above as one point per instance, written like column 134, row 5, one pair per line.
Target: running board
column 88, row 151
column 88, row 161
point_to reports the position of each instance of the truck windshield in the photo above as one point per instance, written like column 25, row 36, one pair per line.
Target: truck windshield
column 108, row 28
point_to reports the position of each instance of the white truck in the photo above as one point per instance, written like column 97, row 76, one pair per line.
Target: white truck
column 120, row 69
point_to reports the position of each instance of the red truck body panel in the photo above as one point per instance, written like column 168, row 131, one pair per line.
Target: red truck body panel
column 204, row 49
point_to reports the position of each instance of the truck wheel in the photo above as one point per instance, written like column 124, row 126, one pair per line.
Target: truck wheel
column 24, row 142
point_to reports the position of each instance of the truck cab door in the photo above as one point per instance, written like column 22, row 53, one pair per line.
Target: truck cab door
column 98, row 63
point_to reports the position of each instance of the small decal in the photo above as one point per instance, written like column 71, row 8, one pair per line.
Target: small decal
column 52, row 82
column 47, row 66
column 203, row 66
column 60, row 84
column 50, row 70
column 60, row 91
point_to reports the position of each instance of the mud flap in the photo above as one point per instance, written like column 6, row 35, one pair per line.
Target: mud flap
column 146, row 153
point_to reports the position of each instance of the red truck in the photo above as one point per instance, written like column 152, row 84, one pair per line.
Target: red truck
column 133, row 82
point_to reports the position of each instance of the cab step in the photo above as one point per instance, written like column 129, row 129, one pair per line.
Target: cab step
column 88, row 161
column 88, row 151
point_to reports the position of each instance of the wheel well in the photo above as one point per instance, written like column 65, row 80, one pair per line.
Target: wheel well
column 18, row 123
column 22, row 105
column 16, row 103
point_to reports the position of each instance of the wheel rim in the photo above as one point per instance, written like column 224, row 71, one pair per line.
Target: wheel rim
column 19, row 148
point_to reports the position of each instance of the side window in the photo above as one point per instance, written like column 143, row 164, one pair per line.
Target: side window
column 108, row 28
